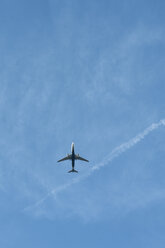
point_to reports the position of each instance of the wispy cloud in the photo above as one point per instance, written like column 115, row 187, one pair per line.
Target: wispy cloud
column 116, row 152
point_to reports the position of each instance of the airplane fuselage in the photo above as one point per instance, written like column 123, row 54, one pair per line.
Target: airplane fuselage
column 73, row 155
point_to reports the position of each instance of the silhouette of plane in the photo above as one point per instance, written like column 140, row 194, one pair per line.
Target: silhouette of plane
column 73, row 157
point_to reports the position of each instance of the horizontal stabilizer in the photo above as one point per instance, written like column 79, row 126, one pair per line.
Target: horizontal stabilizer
column 73, row 170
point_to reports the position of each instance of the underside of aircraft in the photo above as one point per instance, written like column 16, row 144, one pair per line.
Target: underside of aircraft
column 73, row 157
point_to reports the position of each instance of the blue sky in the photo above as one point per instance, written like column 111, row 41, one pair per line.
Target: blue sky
column 91, row 72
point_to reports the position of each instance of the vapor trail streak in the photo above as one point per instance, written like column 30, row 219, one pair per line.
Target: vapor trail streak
column 115, row 153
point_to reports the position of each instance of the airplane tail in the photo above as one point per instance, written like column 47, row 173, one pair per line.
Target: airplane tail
column 73, row 170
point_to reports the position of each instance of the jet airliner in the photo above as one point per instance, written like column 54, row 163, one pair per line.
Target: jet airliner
column 73, row 157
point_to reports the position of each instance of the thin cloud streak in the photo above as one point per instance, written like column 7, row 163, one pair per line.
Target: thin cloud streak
column 114, row 154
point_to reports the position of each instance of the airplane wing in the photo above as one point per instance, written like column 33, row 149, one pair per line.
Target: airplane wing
column 66, row 158
column 80, row 158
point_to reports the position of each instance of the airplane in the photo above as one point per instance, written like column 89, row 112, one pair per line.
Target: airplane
column 73, row 157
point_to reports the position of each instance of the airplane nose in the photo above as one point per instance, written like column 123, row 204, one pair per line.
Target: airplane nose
column 72, row 146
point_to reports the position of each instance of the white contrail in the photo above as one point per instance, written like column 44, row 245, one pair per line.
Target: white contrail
column 127, row 145
column 115, row 153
